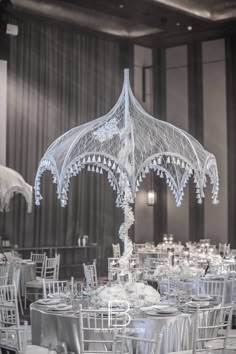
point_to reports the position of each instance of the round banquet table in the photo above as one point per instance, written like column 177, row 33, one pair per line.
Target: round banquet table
column 53, row 328
column 27, row 272
column 229, row 291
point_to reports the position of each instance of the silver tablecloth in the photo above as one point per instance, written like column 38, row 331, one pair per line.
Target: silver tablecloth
column 27, row 273
column 54, row 328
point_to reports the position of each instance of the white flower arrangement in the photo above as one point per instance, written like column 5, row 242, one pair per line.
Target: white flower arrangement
column 183, row 271
column 136, row 294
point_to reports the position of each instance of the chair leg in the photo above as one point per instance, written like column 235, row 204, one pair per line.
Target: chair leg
column 21, row 306
column 25, row 298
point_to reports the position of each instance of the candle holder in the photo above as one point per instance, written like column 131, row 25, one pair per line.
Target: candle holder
column 165, row 238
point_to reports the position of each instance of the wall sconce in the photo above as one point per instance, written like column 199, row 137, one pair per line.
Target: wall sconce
column 151, row 194
column 151, row 197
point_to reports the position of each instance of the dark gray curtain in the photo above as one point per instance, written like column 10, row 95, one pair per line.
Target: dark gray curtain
column 59, row 79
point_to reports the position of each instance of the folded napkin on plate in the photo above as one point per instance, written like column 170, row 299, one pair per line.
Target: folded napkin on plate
column 49, row 301
column 61, row 307
column 154, row 307
column 56, row 295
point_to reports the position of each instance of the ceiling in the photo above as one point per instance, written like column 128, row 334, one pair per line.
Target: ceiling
column 142, row 20
column 214, row 10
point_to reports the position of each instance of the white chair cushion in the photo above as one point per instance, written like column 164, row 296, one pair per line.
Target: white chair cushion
column 230, row 349
column 204, row 352
column 10, row 343
column 230, row 344
column 182, row 352
column 28, row 332
column 232, row 333
column 35, row 349
column 34, row 284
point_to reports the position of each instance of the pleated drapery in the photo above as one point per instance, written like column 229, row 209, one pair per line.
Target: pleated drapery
column 58, row 79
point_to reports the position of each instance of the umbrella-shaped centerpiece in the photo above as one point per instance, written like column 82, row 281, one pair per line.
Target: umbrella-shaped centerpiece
column 11, row 183
column 127, row 143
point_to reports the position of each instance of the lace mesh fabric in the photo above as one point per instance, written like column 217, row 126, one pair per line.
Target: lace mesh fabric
column 11, row 182
column 126, row 144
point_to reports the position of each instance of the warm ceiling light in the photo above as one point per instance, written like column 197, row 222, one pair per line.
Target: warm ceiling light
column 121, row 6
column 189, row 28
column 178, row 24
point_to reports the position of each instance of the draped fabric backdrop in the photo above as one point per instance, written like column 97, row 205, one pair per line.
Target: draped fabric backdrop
column 58, row 79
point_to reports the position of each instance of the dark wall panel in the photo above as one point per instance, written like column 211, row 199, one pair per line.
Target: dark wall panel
column 230, row 51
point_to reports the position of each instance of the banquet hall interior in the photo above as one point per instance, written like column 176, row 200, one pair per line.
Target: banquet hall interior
column 117, row 176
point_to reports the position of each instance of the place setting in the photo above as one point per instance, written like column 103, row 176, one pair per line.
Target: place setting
column 61, row 307
column 48, row 301
column 51, row 305
column 58, row 299
column 160, row 311
column 199, row 302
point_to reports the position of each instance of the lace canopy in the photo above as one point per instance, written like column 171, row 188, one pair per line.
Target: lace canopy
column 12, row 182
column 126, row 144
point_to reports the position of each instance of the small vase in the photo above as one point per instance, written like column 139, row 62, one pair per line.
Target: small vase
column 79, row 242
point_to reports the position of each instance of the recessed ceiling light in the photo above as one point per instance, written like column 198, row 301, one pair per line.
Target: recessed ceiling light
column 177, row 23
column 121, row 6
column 189, row 28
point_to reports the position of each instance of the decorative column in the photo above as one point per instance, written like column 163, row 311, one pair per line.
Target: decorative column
column 159, row 111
